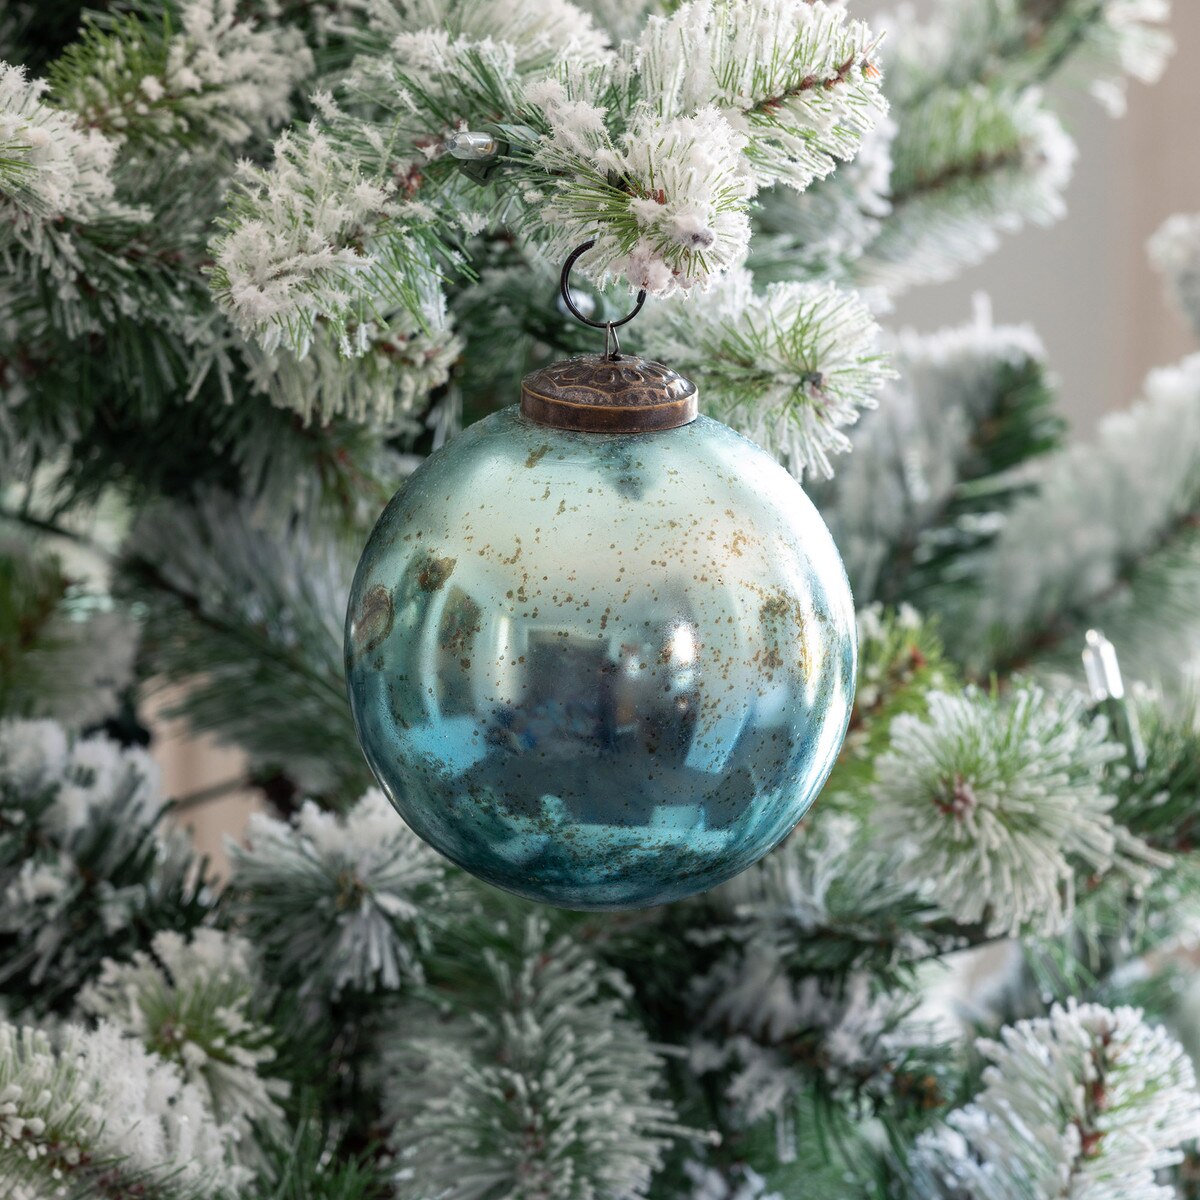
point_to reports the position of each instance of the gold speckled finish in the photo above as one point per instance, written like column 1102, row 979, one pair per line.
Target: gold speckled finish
column 603, row 671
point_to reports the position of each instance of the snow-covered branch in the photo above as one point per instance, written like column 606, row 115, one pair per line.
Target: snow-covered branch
column 251, row 611
column 790, row 367
column 655, row 150
column 198, row 1002
column 216, row 81
column 1103, row 516
column 998, row 804
column 50, row 168
column 98, row 1114
column 86, row 867
column 968, row 166
column 340, row 902
column 544, row 1086
column 923, row 484
column 1086, row 1102
column 1175, row 251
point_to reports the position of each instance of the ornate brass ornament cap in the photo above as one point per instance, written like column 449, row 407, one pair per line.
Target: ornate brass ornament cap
column 604, row 393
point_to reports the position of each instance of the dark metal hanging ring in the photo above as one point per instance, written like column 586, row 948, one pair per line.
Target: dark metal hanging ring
column 564, row 286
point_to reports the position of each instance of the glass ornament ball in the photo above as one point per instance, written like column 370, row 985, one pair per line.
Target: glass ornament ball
column 601, row 670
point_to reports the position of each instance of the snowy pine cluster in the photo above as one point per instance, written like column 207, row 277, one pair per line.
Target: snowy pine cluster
column 257, row 258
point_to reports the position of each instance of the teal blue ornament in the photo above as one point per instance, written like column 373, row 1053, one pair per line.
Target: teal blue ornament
column 600, row 650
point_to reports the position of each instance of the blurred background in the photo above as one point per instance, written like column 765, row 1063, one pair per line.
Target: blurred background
column 1085, row 284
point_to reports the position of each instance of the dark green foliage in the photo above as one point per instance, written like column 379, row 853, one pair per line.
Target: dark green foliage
column 106, row 1180
column 1154, row 591
column 34, row 32
column 830, row 1157
column 1023, row 424
column 1162, row 803
column 250, row 612
column 900, row 660
column 517, row 305
column 31, row 592
column 312, row 1166
column 118, row 863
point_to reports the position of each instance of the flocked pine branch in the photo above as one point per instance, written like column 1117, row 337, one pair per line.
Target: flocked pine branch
column 769, row 1037
column 160, row 421
column 536, row 1082
column 655, row 152
column 1175, row 251
column 95, row 1114
column 997, row 805
column 387, row 386
column 1126, row 943
column 197, row 74
column 1105, row 519
column 48, row 167
column 740, row 1181
column 667, row 203
column 900, row 661
column 791, row 367
column 977, row 152
column 315, row 237
column 621, row 18
column 85, row 204
column 86, row 868
column 830, row 903
column 1158, row 803
column 1098, row 43
column 529, row 39
column 798, row 78
column 250, row 611
column 821, row 231
column 132, row 260
column 309, row 1165
column 927, row 482
column 341, row 903
column 169, row 94
column 66, row 652
column 968, row 166
column 1086, row 1102
column 198, row 1002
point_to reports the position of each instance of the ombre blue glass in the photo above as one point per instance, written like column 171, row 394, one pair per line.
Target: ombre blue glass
column 601, row 671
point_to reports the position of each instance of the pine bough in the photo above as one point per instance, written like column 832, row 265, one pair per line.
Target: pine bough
column 246, row 281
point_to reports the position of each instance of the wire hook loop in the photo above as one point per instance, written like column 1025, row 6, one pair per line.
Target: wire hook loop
column 612, row 343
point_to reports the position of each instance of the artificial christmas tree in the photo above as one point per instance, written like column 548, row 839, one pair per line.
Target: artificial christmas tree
column 260, row 259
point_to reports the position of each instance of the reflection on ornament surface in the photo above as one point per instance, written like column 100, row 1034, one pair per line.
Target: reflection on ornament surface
column 602, row 671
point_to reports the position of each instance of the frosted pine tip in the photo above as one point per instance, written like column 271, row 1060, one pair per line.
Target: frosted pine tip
column 471, row 146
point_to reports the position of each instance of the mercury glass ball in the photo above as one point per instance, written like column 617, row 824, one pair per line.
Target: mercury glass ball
column 601, row 670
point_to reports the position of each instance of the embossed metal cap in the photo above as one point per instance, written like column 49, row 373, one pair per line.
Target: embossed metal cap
column 598, row 393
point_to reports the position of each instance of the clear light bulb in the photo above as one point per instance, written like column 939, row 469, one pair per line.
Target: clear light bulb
column 471, row 146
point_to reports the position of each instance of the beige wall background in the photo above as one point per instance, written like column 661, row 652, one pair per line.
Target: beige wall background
column 1085, row 284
